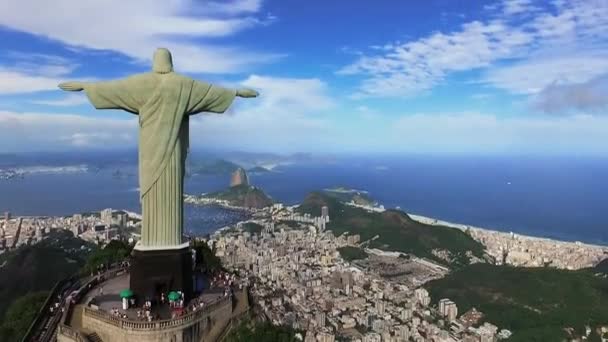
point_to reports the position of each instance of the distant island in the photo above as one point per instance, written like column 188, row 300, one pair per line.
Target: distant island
column 213, row 167
column 222, row 167
column 351, row 195
column 259, row 169
column 21, row 172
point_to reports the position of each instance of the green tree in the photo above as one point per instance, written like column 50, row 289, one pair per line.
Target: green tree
column 537, row 304
column 206, row 260
column 249, row 331
column 20, row 315
column 113, row 252
column 350, row 253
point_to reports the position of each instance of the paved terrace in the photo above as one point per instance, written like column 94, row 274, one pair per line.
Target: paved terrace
column 109, row 299
column 114, row 281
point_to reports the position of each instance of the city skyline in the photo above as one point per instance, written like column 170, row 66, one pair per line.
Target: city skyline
column 485, row 78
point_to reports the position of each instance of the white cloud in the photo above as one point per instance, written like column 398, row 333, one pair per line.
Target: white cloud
column 289, row 114
column 256, row 128
column 12, row 82
column 409, row 68
column 33, row 72
column 511, row 7
column 553, row 44
column 481, row 96
column 29, row 131
column 570, row 48
column 233, row 7
column 136, row 27
column 587, row 96
column 99, row 139
column 533, row 76
column 472, row 132
column 73, row 99
column 291, row 93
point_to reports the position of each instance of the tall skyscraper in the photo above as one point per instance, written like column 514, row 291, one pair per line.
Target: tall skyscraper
column 76, row 229
column 324, row 211
column 106, row 216
column 121, row 219
column 380, row 306
column 76, row 219
column 452, row 311
column 320, row 319
column 448, row 309
column 442, row 304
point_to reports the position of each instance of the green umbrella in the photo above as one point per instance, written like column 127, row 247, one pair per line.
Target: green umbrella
column 173, row 296
column 126, row 293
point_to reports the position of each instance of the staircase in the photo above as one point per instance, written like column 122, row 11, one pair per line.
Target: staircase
column 94, row 338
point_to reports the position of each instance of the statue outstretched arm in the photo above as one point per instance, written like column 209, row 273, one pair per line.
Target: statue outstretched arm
column 205, row 97
column 118, row 94
column 247, row 93
column 71, row 86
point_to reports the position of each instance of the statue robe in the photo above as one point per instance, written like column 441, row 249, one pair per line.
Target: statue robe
column 163, row 103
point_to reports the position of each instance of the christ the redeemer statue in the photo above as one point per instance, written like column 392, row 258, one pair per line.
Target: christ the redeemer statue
column 163, row 100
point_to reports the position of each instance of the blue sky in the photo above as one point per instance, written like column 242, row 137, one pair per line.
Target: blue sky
column 441, row 77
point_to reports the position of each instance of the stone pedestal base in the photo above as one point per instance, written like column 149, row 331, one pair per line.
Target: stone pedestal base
column 157, row 271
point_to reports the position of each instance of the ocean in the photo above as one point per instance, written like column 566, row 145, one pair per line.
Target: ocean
column 561, row 198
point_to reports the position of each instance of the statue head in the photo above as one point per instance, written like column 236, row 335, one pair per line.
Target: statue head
column 162, row 62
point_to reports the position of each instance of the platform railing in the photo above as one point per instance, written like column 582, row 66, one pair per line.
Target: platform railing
column 63, row 327
column 186, row 319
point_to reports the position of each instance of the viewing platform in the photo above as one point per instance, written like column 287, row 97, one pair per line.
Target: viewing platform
column 95, row 313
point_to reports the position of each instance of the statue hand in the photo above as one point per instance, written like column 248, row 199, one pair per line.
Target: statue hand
column 245, row 92
column 71, row 86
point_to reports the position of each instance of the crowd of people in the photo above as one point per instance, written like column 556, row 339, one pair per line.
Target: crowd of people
column 177, row 305
column 116, row 313
column 222, row 280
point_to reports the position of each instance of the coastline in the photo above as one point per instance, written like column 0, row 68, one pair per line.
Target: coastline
column 463, row 227
column 212, row 202
column 192, row 199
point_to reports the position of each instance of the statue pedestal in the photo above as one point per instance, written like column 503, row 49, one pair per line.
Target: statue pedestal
column 154, row 271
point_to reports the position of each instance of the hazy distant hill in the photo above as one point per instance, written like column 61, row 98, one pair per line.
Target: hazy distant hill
column 396, row 231
column 537, row 304
column 94, row 159
column 214, row 167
